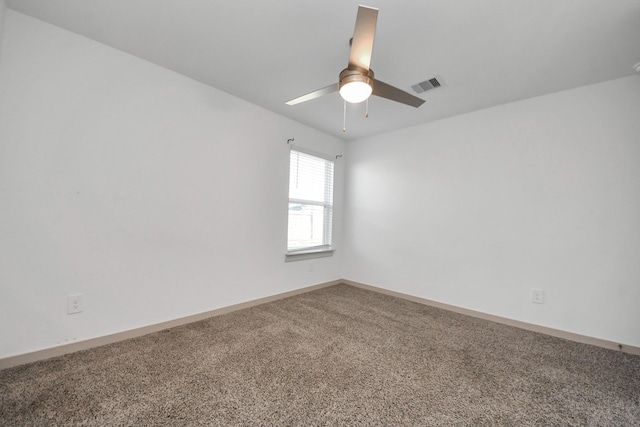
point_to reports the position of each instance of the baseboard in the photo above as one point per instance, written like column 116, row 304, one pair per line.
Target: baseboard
column 48, row 353
column 505, row 321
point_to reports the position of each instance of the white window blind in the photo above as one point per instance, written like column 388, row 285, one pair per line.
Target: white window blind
column 310, row 202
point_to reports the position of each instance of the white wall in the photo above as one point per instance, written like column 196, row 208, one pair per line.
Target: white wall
column 155, row 196
column 158, row 197
column 476, row 210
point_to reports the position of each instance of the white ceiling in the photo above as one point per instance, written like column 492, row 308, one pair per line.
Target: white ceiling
column 487, row 52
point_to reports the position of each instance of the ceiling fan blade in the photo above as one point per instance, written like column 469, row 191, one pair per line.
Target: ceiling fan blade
column 363, row 35
column 315, row 94
column 393, row 93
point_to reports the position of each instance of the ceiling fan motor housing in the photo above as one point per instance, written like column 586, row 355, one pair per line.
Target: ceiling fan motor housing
column 349, row 75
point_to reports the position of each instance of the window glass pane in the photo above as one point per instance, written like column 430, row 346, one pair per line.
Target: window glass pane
column 306, row 226
column 310, row 201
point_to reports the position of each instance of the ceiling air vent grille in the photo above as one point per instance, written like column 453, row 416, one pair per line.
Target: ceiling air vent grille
column 426, row 85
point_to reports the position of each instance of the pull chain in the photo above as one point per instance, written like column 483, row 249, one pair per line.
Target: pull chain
column 344, row 117
column 366, row 114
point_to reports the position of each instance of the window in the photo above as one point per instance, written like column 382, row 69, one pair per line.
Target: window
column 310, row 204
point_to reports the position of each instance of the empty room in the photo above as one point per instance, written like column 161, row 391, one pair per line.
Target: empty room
column 218, row 212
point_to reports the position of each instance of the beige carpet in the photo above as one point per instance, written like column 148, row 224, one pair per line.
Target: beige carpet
column 337, row 356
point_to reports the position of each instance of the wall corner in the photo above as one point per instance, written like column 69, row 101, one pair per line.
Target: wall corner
column 3, row 10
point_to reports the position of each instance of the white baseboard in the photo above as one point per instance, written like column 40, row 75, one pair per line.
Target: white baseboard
column 505, row 321
column 48, row 353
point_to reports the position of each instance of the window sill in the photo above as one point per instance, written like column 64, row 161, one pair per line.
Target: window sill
column 308, row 254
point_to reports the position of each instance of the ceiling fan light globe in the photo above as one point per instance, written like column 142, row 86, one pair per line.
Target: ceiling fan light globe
column 355, row 92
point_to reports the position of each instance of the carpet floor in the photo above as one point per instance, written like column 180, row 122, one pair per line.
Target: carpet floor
column 336, row 356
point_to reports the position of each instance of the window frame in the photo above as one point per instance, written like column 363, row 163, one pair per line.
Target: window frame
column 326, row 249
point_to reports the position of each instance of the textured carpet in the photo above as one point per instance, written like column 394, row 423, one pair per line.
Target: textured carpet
column 336, row 356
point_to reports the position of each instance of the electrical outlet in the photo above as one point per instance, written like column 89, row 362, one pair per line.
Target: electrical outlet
column 75, row 304
column 537, row 296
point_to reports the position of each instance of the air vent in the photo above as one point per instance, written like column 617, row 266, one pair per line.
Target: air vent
column 426, row 85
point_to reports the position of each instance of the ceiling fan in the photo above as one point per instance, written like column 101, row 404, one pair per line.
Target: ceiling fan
column 356, row 82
